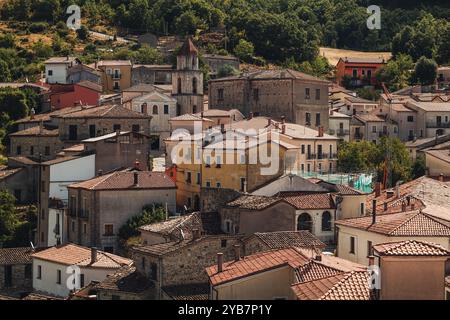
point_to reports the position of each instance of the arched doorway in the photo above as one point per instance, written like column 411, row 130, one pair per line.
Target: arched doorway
column 304, row 222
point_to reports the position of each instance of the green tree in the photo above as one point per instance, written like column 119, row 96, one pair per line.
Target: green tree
column 150, row 214
column 244, row 50
column 5, row 73
column 396, row 73
column 425, row 71
column 357, row 156
column 8, row 217
column 188, row 23
column 399, row 161
column 8, row 40
column 419, row 166
column 147, row 55
column 226, row 71
column 83, row 33
column 42, row 50
column 13, row 102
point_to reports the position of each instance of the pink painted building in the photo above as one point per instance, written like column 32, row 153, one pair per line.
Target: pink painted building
column 70, row 95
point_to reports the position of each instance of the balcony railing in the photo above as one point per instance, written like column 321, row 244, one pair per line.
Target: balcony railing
column 83, row 214
column 342, row 132
column 358, row 136
column 438, row 124
column 311, row 156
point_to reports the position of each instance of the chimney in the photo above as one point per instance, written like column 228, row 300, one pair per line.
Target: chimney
column 283, row 119
column 397, row 190
column 331, row 112
column 389, row 194
column 371, row 258
column 135, row 180
column 137, row 164
column 93, row 255
column 32, row 113
column 222, row 127
column 195, row 234
column 320, row 131
column 413, row 206
column 374, row 211
column 408, row 200
column 100, row 172
column 269, row 122
column 237, row 252
column 441, row 177
column 403, row 206
column 219, row 262
column 250, row 116
column 377, row 189
column 283, row 129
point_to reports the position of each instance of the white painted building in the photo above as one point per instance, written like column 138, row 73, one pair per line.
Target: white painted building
column 56, row 68
column 59, row 270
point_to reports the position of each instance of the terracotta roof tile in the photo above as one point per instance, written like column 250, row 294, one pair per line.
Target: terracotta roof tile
column 20, row 255
column 412, row 223
column 6, row 172
column 194, row 291
column 310, row 201
column 287, row 239
column 188, row 48
column 107, row 111
column 71, row 254
column 253, row 202
column 254, row 264
column 119, row 180
column 36, row 131
column 126, row 279
column 348, row 286
column 411, row 248
column 314, row 270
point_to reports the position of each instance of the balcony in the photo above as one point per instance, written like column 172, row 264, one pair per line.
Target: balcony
column 116, row 76
column 322, row 156
column 311, row 156
column 438, row 125
column 84, row 214
column 358, row 136
column 383, row 134
column 342, row 132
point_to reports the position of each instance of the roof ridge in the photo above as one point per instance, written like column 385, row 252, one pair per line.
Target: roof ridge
column 412, row 217
column 319, row 279
column 339, row 283
column 105, row 177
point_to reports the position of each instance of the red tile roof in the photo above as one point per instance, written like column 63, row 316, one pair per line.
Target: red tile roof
column 10, row 256
column 188, row 48
column 411, row 248
column 71, row 254
column 120, row 180
column 412, row 223
column 35, row 131
column 310, row 201
column 256, row 263
column 287, row 239
column 347, row 286
column 314, row 270
column 107, row 111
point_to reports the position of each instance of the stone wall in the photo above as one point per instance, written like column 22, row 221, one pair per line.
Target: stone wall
column 19, row 281
column 33, row 146
column 211, row 199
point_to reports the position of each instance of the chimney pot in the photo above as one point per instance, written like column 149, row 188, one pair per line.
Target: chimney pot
column 371, row 259
column 219, row 262
column 441, row 177
column 283, row 129
column 320, row 129
column 283, row 119
column 93, row 255
column 237, row 252
column 403, row 206
column 137, row 164
column 269, row 122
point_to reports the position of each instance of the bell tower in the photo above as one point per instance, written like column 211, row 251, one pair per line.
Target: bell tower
column 187, row 80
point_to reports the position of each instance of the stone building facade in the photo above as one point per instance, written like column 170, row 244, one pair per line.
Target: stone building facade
column 97, row 121
column 15, row 269
column 182, row 262
column 36, row 142
column 187, row 80
column 300, row 98
column 152, row 74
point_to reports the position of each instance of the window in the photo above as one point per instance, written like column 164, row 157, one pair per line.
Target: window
column 109, row 230
column 58, row 276
column 73, row 205
column 194, row 109
column 73, row 134
column 302, row 168
column 352, row 245
column 208, row 161
column 31, row 150
column 50, row 72
column 220, row 94
column 47, row 151
column 166, row 109
column 39, row 272
column 199, row 182
column 153, row 271
column 355, row 73
column 155, row 109
column 135, row 128
column 218, row 162
column 92, row 131
column 223, row 243
column 243, row 183
column 73, row 226
column 317, row 119
column 361, row 209
column 179, row 85
column 19, row 150
column 369, row 248
column 194, row 85
column 374, row 129
column 304, row 222
column 218, row 185
column 326, row 221
column 303, row 149
column 84, row 228
column 116, row 127
column 308, row 119
column 308, row 166
column 188, row 177
column 317, row 94
column 410, row 119
column 81, row 280
column 116, row 74
column 307, row 93
column 256, row 94
column 116, row 85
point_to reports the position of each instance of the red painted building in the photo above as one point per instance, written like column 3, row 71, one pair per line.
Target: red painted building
column 362, row 71
column 69, row 95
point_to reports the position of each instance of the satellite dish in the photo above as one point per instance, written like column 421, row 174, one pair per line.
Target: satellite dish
column 32, row 245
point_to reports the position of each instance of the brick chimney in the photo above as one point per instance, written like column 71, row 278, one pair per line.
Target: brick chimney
column 237, row 252
column 441, row 177
column 269, row 122
column 219, row 262
column 283, row 129
column 283, row 119
column 403, row 206
column 137, row 164
column 374, row 211
column 320, row 129
column 93, row 255
column 385, row 206
column 371, row 259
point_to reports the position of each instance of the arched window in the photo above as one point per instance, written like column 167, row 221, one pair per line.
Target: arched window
column 304, row 222
column 194, row 85
column 144, row 108
column 179, row 85
column 155, row 109
column 326, row 221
